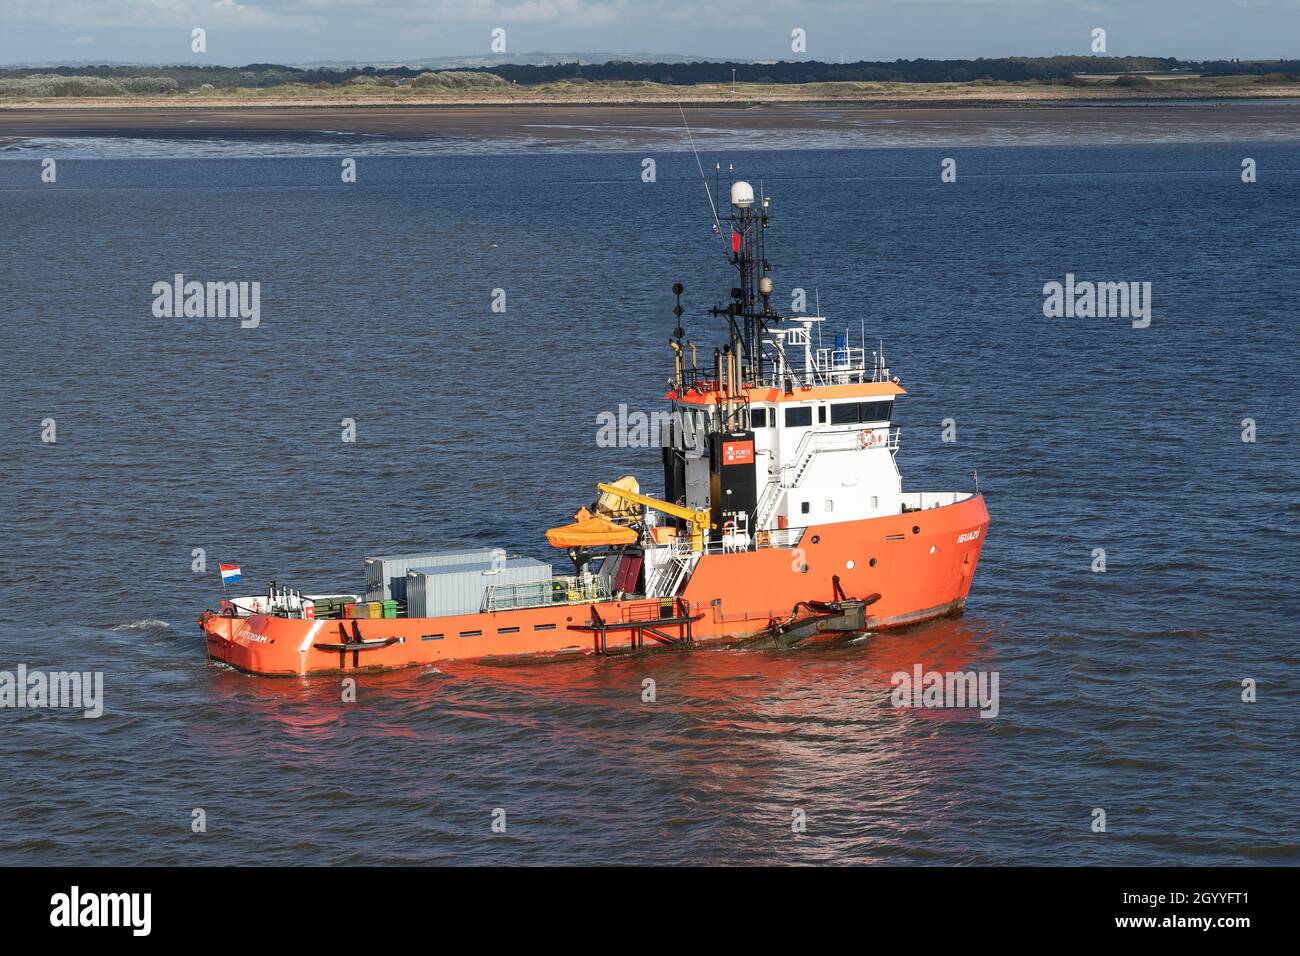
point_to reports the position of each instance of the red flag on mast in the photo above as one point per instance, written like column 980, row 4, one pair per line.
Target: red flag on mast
column 735, row 241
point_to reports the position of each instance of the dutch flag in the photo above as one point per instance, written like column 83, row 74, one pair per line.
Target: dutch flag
column 230, row 573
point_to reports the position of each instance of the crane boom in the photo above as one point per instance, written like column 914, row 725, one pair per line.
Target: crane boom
column 697, row 518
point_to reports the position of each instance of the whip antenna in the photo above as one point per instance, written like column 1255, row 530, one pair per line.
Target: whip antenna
column 717, row 223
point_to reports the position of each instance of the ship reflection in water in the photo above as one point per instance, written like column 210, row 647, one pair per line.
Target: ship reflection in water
column 725, row 750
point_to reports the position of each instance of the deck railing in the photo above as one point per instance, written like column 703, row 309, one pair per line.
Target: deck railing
column 559, row 590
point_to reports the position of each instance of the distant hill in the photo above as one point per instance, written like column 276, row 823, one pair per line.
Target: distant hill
column 478, row 62
column 55, row 64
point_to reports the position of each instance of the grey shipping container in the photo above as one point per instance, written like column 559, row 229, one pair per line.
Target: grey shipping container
column 460, row 589
column 386, row 574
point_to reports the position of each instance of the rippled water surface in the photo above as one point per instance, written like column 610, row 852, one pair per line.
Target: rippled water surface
column 1119, row 690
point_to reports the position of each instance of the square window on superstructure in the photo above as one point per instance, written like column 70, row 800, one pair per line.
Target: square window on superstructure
column 844, row 413
column 875, row 411
column 758, row 418
column 798, row 416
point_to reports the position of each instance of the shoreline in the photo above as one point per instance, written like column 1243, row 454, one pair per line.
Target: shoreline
column 560, row 125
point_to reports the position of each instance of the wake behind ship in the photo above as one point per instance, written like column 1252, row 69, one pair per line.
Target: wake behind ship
column 783, row 518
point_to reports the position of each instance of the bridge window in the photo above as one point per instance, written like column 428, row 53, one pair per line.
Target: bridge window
column 844, row 413
column 800, row 416
column 851, row 413
column 758, row 418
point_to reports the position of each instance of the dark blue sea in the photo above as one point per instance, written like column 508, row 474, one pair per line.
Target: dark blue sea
column 1120, row 690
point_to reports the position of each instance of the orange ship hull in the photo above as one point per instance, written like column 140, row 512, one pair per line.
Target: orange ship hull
column 921, row 563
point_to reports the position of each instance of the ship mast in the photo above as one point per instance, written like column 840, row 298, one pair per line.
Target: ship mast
column 750, row 309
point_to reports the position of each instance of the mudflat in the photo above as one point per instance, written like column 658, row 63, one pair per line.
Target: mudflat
column 567, row 122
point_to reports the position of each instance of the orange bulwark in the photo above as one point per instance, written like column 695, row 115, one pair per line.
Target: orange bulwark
column 706, row 393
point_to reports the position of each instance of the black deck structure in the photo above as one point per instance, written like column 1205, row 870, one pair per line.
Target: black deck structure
column 667, row 621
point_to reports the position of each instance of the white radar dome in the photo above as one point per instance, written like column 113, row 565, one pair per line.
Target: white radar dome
column 742, row 194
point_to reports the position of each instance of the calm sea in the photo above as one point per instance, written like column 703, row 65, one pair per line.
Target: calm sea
column 1119, row 690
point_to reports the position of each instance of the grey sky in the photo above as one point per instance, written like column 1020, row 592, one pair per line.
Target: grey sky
column 283, row 31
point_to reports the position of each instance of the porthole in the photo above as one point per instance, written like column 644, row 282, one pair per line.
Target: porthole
column 916, row 529
column 804, row 569
column 816, row 538
column 849, row 564
column 932, row 549
column 872, row 562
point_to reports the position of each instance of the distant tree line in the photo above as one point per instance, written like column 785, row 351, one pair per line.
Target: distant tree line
column 81, row 80
column 900, row 71
column 1005, row 69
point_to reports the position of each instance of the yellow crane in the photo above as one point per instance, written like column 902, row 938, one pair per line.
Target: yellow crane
column 697, row 518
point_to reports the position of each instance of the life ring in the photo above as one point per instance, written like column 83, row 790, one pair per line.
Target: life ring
column 866, row 438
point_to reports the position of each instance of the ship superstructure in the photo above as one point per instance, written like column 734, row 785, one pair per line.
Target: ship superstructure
column 783, row 518
column 809, row 409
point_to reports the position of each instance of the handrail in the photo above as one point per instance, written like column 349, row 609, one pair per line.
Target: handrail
column 650, row 609
column 799, row 453
column 771, row 492
column 813, row 441
column 509, row 597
